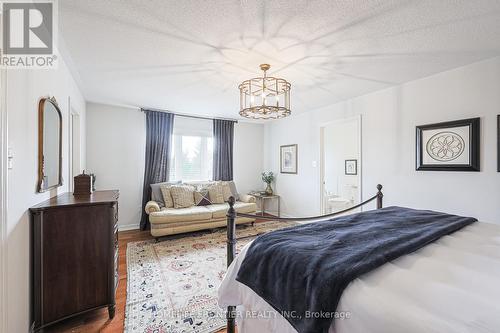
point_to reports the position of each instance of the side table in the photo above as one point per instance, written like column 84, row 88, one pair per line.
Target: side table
column 262, row 200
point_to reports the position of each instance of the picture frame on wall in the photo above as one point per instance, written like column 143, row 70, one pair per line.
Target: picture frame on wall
column 288, row 159
column 449, row 146
column 351, row 167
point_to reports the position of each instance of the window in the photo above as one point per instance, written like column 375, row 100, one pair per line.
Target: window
column 192, row 149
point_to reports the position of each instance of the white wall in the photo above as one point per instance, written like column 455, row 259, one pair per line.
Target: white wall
column 116, row 139
column 389, row 118
column 24, row 89
column 248, row 157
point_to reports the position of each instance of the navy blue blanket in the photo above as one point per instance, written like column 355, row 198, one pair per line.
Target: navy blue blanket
column 302, row 271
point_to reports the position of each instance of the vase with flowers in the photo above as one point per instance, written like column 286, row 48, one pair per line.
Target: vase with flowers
column 268, row 178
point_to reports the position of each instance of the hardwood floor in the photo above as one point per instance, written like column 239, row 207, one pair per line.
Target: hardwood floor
column 98, row 320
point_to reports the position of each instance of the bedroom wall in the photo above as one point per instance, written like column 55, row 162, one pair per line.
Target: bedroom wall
column 389, row 118
column 248, row 157
column 24, row 89
column 116, row 139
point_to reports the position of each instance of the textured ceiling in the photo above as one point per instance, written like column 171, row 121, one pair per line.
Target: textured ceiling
column 189, row 56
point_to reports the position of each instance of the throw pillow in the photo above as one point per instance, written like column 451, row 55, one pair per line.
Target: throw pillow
column 226, row 190
column 156, row 194
column 182, row 195
column 215, row 193
column 232, row 185
column 167, row 196
column 201, row 198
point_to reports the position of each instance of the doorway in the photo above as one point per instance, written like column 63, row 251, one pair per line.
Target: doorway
column 340, row 164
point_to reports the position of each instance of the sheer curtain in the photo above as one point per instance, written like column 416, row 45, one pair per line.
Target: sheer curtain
column 159, row 128
column 223, row 149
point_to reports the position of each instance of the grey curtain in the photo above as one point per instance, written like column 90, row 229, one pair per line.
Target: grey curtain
column 159, row 127
column 223, row 149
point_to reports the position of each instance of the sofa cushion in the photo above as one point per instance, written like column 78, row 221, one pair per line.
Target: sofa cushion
column 156, row 192
column 182, row 195
column 179, row 224
column 169, row 215
column 220, row 210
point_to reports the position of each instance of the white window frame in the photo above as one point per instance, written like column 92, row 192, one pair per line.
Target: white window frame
column 176, row 163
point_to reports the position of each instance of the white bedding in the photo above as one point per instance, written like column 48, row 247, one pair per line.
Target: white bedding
column 452, row 285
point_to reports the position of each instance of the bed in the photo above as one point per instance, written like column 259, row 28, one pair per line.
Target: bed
column 450, row 285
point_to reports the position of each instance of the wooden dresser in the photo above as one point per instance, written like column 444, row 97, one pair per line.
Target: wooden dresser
column 74, row 256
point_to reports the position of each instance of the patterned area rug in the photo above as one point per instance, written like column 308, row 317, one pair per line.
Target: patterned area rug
column 172, row 285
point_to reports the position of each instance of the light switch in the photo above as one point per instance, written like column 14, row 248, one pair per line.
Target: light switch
column 10, row 158
column 314, row 164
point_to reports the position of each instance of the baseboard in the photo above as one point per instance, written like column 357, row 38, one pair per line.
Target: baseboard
column 127, row 227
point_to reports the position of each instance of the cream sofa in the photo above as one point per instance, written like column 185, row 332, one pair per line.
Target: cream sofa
column 170, row 221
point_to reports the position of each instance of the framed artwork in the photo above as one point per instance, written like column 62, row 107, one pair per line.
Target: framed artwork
column 449, row 146
column 351, row 167
column 288, row 159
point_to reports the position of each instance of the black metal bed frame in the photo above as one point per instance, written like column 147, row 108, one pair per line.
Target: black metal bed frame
column 231, row 235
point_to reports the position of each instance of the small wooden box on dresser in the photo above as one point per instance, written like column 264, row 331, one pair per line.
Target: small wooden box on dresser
column 74, row 256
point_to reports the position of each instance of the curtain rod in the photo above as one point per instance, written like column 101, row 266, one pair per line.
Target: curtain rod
column 189, row 115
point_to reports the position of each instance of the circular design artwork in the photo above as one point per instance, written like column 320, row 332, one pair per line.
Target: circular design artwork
column 445, row 146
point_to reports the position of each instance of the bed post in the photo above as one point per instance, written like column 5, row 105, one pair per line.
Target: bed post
column 231, row 252
column 380, row 196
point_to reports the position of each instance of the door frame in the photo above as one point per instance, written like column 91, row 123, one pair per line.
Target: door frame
column 72, row 112
column 358, row 119
column 4, row 157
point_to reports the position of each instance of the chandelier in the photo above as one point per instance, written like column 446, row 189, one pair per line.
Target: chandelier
column 265, row 97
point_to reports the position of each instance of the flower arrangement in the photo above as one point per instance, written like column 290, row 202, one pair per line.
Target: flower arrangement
column 268, row 178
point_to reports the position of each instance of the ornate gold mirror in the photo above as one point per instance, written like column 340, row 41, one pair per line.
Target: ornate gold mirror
column 49, row 145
